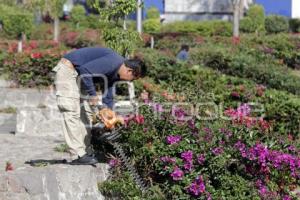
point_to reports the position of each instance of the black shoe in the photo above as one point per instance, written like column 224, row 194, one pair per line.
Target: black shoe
column 85, row 160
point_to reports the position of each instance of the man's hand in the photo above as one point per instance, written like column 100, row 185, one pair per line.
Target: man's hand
column 94, row 100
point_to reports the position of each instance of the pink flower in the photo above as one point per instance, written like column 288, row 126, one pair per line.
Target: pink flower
column 139, row 119
column 197, row 187
column 218, row 151
column 173, row 139
column 167, row 159
column 36, row 55
column 177, row 174
column 188, row 166
column 114, row 162
column 201, row 159
column 187, row 156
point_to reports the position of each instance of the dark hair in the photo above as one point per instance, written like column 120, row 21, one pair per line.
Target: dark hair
column 185, row 47
column 137, row 65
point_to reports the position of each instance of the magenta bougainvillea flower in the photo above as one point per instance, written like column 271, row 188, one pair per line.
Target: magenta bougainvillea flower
column 201, row 159
column 218, row 150
column 173, row 139
column 157, row 107
column 266, row 158
column 177, row 174
column 187, row 156
column 167, row 159
column 114, row 162
column 188, row 166
column 197, row 187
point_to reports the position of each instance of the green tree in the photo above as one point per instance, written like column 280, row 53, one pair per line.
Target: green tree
column 118, row 9
column 255, row 20
column 78, row 15
column 16, row 22
column 52, row 7
column 122, row 41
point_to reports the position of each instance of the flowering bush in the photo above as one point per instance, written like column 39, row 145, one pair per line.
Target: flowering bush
column 32, row 69
column 240, row 155
column 219, row 160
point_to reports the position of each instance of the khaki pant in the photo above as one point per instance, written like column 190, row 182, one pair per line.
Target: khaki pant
column 76, row 112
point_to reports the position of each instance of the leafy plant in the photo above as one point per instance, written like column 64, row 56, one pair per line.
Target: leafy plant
column 153, row 13
column 15, row 21
column 276, row 24
column 151, row 25
column 62, row 148
column 294, row 25
column 254, row 21
column 124, row 42
column 78, row 15
column 117, row 9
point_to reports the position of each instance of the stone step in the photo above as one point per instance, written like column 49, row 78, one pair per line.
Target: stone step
column 18, row 98
column 39, row 122
column 49, row 181
column 55, row 182
column 8, row 123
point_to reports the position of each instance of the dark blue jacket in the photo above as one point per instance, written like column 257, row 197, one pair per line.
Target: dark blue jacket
column 94, row 61
column 183, row 55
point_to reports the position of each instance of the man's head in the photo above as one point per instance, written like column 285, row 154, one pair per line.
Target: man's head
column 132, row 69
column 185, row 47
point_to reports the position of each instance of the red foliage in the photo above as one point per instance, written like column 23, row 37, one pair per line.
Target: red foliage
column 9, row 167
column 36, row 55
column 236, row 40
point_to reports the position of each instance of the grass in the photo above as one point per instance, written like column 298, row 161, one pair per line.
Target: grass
column 8, row 110
column 63, row 148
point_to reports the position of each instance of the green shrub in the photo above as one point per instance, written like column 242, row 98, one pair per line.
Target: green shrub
column 204, row 28
column 248, row 66
column 42, row 32
column 255, row 20
column 294, row 25
column 78, row 15
column 151, row 25
column 246, row 25
column 15, row 21
column 153, row 13
column 276, row 24
column 124, row 42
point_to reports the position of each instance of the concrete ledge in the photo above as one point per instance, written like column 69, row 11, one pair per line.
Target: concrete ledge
column 39, row 122
column 7, row 123
column 55, row 182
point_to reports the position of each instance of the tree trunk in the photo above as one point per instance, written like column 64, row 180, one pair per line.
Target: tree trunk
column 125, row 24
column 20, row 45
column 152, row 42
column 139, row 25
column 236, row 18
column 241, row 11
column 56, row 29
column 20, row 42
